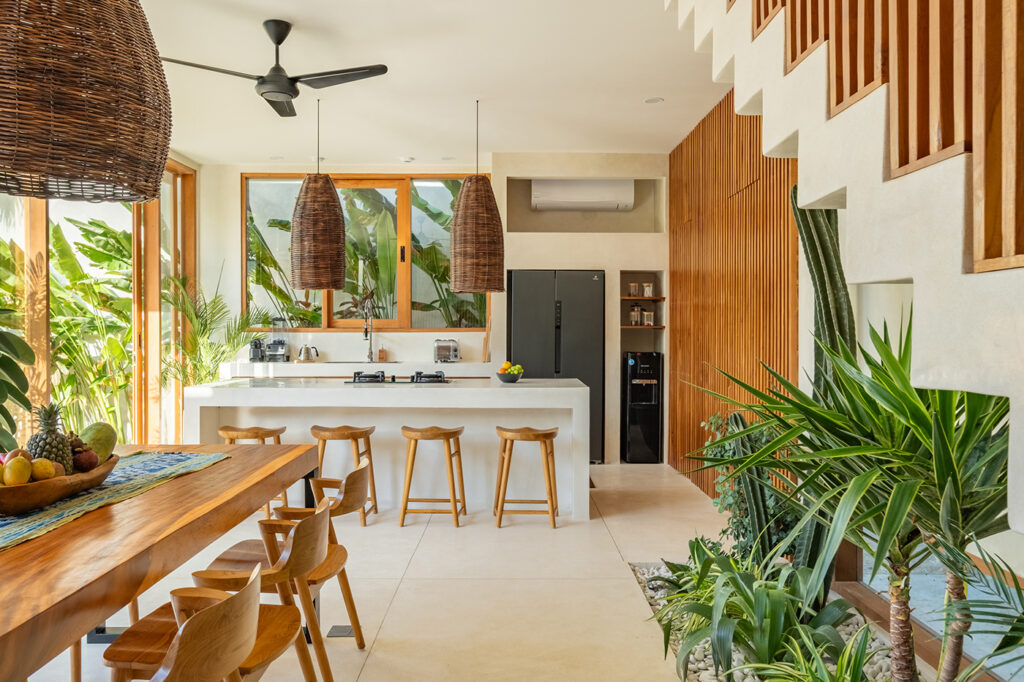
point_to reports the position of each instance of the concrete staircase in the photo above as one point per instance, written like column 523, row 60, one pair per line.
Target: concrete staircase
column 968, row 328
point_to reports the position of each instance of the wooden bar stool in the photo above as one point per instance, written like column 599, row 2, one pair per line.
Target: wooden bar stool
column 453, row 455
column 546, row 439
column 360, row 452
column 233, row 434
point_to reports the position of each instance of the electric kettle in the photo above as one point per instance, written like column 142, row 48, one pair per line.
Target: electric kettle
column 306, row 354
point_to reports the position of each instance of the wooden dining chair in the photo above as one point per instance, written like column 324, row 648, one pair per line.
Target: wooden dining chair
column 283, row 572
column 139, row 651
column 349, row 498
column 217, row 632
column 233, row 434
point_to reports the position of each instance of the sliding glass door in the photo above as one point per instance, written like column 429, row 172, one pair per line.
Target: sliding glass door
column 83, row 283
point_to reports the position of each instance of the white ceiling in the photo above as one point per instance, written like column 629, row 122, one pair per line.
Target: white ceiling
column 552, row 75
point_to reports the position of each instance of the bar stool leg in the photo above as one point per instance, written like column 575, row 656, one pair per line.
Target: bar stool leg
column 373, row 483
column 506, row 464
column 547, row 480
column 410, row 459
column 554, row 481
column 458, row 471
column 451, row 481
column 355, row 462
column 497, row 477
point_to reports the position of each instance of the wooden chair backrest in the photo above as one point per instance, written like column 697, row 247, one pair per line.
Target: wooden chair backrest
column 212, row 643
column 357, row 486
column 306, row 546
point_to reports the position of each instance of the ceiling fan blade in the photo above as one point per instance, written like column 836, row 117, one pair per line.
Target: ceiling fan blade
column 211, row 68
column 282, row 107
column 326, row 79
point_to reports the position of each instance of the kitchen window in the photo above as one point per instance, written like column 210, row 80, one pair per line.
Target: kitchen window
column 397, row 241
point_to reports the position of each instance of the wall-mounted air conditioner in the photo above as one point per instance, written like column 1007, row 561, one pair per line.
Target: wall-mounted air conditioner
column 582, row 195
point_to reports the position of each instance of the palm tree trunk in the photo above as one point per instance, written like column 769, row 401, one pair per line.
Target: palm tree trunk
column 953, row 644
column 901, row 632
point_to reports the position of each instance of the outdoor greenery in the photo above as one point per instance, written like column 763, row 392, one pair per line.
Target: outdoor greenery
column 210, row 334
column 90, row 320
column 371, row 253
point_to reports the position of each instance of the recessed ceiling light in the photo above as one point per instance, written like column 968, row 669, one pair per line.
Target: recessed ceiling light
column 407, row 159
column 654, row 100
column 277, row 158
column 447, row 158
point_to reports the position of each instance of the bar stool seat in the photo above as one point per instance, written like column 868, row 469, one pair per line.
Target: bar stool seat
column 453, row 457
column 260, row 434
column 360, row 452
column 546, row 439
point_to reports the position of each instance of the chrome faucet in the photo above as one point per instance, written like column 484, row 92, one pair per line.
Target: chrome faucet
column 368, row 328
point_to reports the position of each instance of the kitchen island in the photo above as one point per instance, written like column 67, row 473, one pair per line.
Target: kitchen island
column 477, row 404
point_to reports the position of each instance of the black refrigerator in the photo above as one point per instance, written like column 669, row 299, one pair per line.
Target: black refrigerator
column 556, row 330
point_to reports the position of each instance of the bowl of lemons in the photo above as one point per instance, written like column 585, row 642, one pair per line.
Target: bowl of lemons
column 509, row 373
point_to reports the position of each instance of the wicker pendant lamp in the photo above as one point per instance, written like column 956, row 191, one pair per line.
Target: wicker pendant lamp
column 84, row 109
column 318, row 231
column 478, row 242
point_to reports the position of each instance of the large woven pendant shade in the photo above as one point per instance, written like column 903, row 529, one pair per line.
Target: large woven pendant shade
column 478, row 242
column 318, row 236
column 84, row 108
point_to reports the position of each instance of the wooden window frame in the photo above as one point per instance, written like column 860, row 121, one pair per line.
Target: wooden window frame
column 403, row 322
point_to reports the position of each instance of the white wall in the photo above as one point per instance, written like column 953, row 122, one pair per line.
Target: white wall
column 220, row 256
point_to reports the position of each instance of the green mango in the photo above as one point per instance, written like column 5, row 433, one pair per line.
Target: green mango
column 101, row 438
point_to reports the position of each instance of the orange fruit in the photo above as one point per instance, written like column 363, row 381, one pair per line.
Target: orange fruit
column 501, row 370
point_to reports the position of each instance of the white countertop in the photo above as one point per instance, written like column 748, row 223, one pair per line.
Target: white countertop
column 346, row 369
column 479, row 393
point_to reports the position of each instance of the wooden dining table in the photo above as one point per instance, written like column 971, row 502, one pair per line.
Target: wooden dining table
column 57, row 587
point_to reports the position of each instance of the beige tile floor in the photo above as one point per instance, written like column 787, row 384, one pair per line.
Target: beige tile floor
column 476, row 603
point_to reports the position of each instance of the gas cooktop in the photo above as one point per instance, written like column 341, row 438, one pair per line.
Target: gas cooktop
column 379, row 377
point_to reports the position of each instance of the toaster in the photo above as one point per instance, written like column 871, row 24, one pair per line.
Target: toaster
column 446, row 350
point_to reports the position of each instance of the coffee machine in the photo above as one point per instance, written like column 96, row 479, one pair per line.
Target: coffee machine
column 257, row 353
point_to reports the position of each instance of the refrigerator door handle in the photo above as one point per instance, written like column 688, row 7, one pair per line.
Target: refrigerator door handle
column 558, row 337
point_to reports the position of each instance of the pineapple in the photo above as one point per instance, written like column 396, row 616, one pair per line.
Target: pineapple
column 49, row 443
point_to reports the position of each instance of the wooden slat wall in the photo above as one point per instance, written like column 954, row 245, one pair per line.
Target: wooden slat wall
column 807, row 27
column 858, row 50
column 733, row 271
column 998, row 135
column 764, row 12
column 930, row 82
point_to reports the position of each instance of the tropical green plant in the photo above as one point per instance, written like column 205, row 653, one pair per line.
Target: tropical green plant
column 758, row 608
column 758, row 516
column 834, row 326
column 999, row 611
column 210, row 334
column 934, row 460
column 14, row 352
column 844, row 470
column 807, row 661
column 264, row 271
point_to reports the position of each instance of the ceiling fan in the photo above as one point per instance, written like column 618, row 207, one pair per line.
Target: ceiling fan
column 277, row 87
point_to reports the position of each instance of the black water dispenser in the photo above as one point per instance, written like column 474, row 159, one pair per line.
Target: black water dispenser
column 642, row 409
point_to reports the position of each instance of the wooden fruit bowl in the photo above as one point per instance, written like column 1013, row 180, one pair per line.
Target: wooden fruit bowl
column 18, row 499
